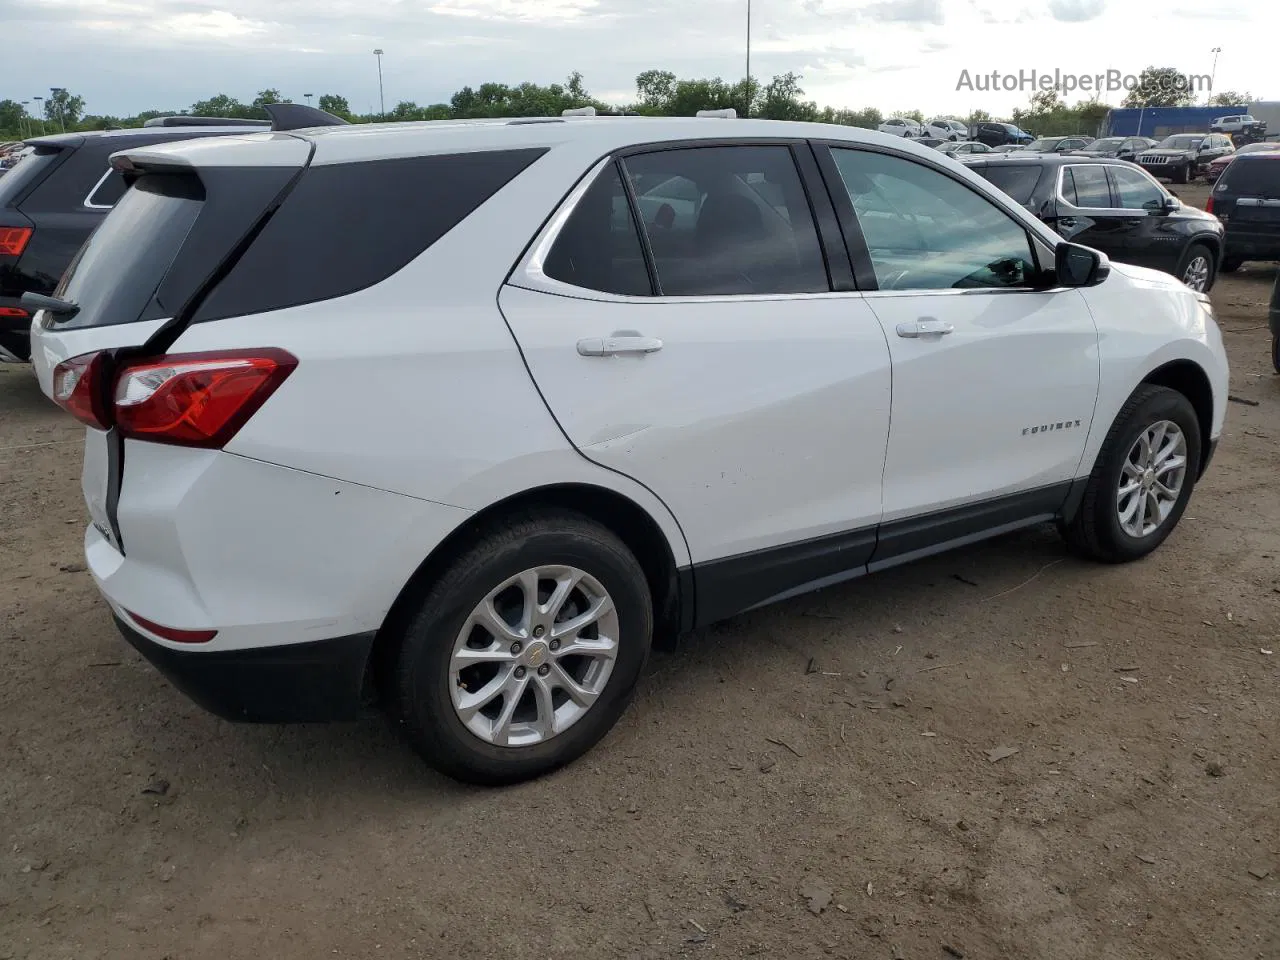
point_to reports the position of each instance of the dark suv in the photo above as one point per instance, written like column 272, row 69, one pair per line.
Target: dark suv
column 1115, row 207
column 56, row 195
column 1183, row 156
column 1247, row 199
column 996, row 134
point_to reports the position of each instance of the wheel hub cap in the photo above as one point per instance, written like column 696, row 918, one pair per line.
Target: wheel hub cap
column 1151, row 479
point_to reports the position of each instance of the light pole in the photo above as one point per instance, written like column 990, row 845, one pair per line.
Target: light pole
column 25, row 121
column 1214, row 72
column 308, row 96
column 39, row 101
column 747, row 110
column 62, row 124
column 382, row 105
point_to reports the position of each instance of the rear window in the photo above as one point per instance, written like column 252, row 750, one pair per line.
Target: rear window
column 1018, row 181
column 1252, row 176
column 345, row 227
column 115, row 274
column 29, row 171
column 108, row 191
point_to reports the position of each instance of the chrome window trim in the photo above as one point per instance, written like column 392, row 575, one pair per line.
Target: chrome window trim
column 89, row 196
column 1062, row 200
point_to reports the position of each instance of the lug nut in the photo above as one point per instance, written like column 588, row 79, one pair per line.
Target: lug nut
column 544, row 669
column 519, row 673
column 517, row 647
column 539, row 631
column 554, row 644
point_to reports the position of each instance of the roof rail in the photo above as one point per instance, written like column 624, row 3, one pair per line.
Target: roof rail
column 186, row 121
column 579, row 112
column 299, row 116
column 728, row 113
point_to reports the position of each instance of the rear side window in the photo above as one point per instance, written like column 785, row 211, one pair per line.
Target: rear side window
column 348, row 226
column 598, row 248
column 117, row 271
column 107, row 192
column 1086, row 187
column 1018, row 181
column 1253, row 176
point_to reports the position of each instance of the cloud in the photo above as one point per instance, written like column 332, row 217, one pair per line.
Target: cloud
column 905, row 11
column 1076, row 11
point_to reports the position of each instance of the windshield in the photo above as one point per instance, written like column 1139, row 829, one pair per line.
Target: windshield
column 1041, row 145
column 1181, row 143
column 1106, row 143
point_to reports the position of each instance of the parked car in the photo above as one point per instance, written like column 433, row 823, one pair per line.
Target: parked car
column 1115, row 207
column 995, row 133
column 946, row 129
column 1117, row 148
column 1247, row 199
column 263, row 533
column 1236, row 123
column 931, row 142
column 1004, row 147
column 964, row 148
column 55, row 197
column 1214, row 170
column 902, row 127
column 1056, row 145
column 1182, row 156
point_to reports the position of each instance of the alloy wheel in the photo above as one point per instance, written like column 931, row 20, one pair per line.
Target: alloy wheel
column 534, row 656
column 1196, row 274
column 1151, row 479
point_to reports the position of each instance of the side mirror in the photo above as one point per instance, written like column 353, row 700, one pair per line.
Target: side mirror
column 1170, row 202
column 1078, row 266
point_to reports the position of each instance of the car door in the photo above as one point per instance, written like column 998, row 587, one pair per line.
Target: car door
column 1150, row 238
column 994, row 377
column 723, row 366
column 1087, row 211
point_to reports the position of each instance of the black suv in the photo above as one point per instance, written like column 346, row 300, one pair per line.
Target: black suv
column 56, row 195
column 1184, row 156
column 1112, row 206
column 1119, row 148
column 1057, row 144
column 1247, row 199
column 996, row 134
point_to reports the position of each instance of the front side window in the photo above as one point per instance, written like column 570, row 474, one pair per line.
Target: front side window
column 1135, row 191
column 1086, row 187
column 925, row 231
column 1177, row 142
column 745, row 229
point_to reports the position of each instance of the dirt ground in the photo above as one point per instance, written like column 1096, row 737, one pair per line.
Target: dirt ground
column 811, row 780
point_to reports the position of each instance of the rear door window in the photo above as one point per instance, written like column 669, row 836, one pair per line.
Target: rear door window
column 106, row 192
column 116, row 273
column 1086, row 187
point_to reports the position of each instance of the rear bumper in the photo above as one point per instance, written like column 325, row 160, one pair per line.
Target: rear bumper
column 15, row 335
column 1250, row 245
column 310, row 682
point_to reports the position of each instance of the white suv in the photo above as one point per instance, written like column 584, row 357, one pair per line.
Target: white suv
column 1236, row 123
column 463, row 417
column 902, row 127
column 944, row 129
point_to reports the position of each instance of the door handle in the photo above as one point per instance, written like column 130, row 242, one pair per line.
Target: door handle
column 613, row 346
column 1068, row 222
column 924, row 327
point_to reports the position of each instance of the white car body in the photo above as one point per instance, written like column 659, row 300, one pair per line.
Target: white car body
column 1233, row 124
column 902, row 127
column 947, row 129
column 764, row 426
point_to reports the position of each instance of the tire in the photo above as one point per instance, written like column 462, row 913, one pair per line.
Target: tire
column 1275, row 353
column 1096, row 531
column 1230, row 265
column 426, row 682
column 1198, row 258
column 1182, row 174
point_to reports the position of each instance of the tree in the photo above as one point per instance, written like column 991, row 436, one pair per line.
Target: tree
column 63, row 108
column 782, row 100
column 1231, row 98
column 11, row 115
column 270, row 95
column 221, row 106
column 336, row 105
column 1160, row 87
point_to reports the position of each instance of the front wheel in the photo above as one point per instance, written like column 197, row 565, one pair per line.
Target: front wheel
column 1195, row 269
column 526, row 651
column 1182, row 174
column 1142, row 479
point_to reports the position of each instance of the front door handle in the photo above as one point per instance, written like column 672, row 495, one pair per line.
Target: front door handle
column 1068, row 222
column 924, row 327
column 613, row 346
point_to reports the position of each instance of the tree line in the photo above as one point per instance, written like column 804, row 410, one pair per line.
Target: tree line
column 658, row 93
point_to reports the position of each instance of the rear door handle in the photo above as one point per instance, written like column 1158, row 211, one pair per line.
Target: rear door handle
column 613, row 346
column 924, row 327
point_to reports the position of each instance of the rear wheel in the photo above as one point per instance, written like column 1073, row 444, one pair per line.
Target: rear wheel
column 526, row 651
column 1182, row 174
column 1195, row 269
column 1275, row 353
column 1142, row 479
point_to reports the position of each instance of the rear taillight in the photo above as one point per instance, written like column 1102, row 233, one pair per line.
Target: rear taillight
column 196, row 399
column 172, row 633
column 13, row 240
column 13, row 312
column 78, row 389
column 1208, row 205
column 191, row 399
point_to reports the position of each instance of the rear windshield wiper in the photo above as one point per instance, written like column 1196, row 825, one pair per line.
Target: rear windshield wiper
column 58, row 309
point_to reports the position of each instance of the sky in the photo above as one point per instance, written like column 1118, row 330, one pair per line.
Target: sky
column 124, row 56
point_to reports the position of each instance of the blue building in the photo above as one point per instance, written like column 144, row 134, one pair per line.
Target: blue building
column 1159, row 122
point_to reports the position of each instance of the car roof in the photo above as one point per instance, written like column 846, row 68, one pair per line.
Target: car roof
column 604, row 135
column 1047, row 159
